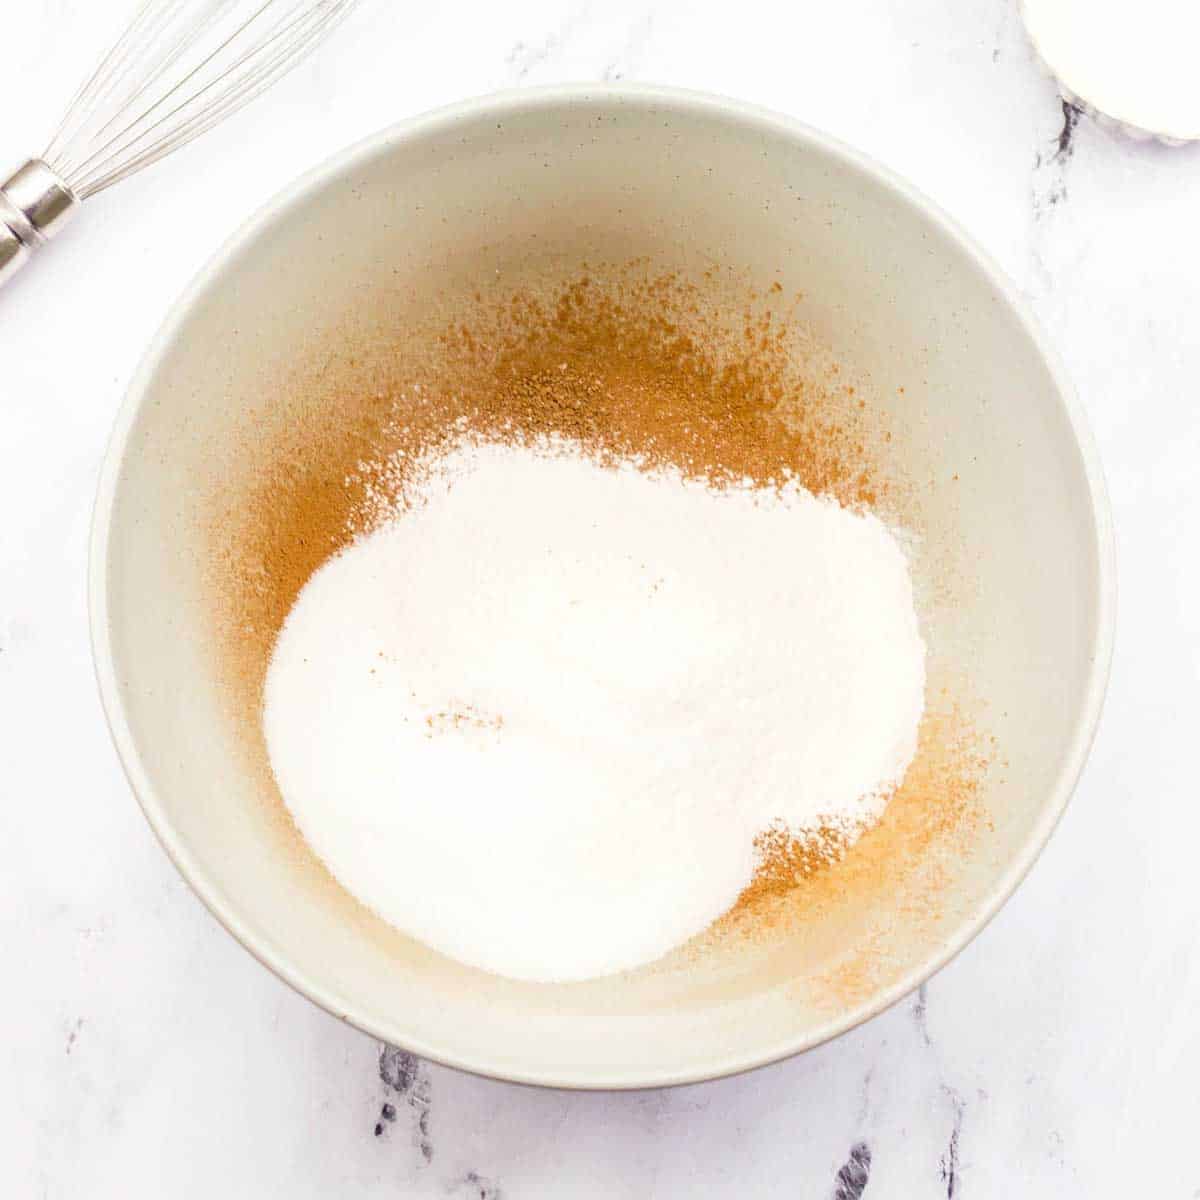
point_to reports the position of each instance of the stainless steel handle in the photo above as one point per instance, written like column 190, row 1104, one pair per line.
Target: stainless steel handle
column 34, row 205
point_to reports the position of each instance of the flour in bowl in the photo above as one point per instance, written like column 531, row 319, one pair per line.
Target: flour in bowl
column 539, row 717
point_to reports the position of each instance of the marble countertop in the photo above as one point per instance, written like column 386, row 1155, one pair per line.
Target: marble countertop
column 148, row 1055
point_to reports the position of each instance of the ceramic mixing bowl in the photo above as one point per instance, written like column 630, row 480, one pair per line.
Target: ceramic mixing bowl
column 989, row 467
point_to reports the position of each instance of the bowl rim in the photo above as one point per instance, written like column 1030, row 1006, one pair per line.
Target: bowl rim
column 749, row 117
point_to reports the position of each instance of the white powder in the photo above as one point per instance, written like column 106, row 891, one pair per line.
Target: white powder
column 538, row 719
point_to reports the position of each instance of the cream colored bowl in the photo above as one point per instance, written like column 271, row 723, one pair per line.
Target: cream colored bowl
column 996, row 478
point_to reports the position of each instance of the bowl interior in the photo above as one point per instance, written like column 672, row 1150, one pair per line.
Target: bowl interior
column 975, row 436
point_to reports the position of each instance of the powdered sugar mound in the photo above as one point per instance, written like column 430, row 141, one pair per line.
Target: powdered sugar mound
column 539, row 718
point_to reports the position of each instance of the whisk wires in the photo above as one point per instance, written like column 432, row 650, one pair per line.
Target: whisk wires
column 179, row 68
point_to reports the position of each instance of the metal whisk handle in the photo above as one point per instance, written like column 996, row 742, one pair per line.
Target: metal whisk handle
column 34, row 205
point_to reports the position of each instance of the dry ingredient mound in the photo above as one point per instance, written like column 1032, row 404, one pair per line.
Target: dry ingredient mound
column 543, row 713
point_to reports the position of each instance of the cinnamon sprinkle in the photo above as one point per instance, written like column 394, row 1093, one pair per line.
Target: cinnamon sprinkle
column 630, row 365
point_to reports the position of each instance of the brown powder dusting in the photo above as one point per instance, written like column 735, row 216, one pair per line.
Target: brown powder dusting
column 787, row 861
column 628, row 365
column 934, row 810
column 466, row 717
column 628, row 372
column 935, row 798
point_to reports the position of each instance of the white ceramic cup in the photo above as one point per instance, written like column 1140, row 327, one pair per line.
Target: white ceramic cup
column 898, row 292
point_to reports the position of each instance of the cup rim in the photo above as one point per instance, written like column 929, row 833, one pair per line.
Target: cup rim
column 751, row 118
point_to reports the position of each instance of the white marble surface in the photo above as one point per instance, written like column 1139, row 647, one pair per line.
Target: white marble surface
column 146, row 1054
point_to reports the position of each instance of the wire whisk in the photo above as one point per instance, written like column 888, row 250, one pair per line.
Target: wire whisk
column 179, row 68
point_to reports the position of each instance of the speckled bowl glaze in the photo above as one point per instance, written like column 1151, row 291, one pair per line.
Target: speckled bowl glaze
column 1013, row 551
